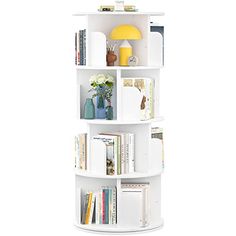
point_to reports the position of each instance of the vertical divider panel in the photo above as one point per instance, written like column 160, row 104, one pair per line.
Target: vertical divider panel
column 148, row 40
column 157, row 95
column 119, row 94
column 78, row 94
column 87, row 40
column 77, row 202
column 88, row 147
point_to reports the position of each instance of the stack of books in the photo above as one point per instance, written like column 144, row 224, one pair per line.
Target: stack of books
column 81, row 151
column 135, row 196
column 80, row 47
column 138, row 98
column 112, row 153
column 99, row 207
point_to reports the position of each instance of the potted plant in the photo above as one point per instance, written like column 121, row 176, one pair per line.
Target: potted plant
column 102, row 86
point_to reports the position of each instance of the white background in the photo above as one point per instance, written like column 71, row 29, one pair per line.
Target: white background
column 37, row 104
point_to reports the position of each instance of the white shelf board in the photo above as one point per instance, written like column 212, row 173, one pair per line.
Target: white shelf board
column 121, row 122
column 108, row 228
column 123, row 176
column 119, row 67
column 119, row 13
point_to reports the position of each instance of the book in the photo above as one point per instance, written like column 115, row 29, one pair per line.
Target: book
column 76, row 49
column 84, row 46
column 137, row 98
column 91, row 213
column 84, row 206
column 77, row 155
column 157, row 147
column 131, row 153
column 103, row 155
column 90, row 196
column 113, row 153
column 135, row 196
column 81, row 151
column 99, row 207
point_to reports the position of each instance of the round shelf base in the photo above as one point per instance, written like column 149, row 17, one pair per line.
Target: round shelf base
column 114, row 229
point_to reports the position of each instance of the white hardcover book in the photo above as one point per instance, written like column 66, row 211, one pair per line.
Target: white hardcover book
column 146, row 205
column 131, row 207
column 143, row 189
column 111, row 152
column 97, row 202
column 92, row 209
column 131, row 153
column 98, row 156
column 157, row 151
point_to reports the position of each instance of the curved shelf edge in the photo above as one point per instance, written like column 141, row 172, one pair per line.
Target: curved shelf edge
column 115, row 229
column 122, row 122
column 124, row 176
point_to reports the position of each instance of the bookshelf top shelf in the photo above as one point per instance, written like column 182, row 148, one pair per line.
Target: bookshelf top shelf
column 118, row 67
column 121, row 122
column 119, row 13
column 123, row 176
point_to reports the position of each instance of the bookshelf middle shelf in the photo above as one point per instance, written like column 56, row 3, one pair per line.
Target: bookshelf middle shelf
column 122, row 176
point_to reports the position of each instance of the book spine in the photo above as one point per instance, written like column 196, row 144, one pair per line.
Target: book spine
column 85, row 199
column 77, row 152
column 75, row 48
column 103, row 206
column 106, row 206
column 84, row 47
column 91, row 209
column 110, row 206
column 77, row 51
column 126, row 153
column 115, row 155
column 114, row 199
column 81, row 47
column 88, row 208
column 131, row 153
column 83, row 151
column 122, row 154
column 97, row 208
column 118, row 155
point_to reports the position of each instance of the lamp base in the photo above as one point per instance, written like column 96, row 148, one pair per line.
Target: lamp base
column 125, row 53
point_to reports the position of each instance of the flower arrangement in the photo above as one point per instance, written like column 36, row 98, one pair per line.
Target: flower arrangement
column 102, row 85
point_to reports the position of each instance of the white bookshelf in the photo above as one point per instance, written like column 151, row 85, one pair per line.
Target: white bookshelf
column 147, row 168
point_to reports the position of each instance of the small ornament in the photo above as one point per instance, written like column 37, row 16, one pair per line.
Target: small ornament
column 133, row 61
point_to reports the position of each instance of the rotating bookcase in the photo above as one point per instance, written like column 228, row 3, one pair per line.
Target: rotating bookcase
column 119, row 162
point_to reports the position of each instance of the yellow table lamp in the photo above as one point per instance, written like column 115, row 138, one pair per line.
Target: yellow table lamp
column 125, row 32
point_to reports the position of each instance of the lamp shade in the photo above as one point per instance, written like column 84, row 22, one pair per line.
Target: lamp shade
column 128, row 32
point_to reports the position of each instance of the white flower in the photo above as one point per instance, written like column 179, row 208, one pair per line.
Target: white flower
column 101, row 79
column 93, row 79
column 109, row 78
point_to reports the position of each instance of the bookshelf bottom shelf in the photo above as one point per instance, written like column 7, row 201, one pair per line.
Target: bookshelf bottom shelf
column 118, row 229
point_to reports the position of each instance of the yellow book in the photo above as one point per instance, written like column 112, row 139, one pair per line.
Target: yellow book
column 88, row 208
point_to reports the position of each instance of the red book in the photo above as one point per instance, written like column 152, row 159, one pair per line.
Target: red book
column 103, row 206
